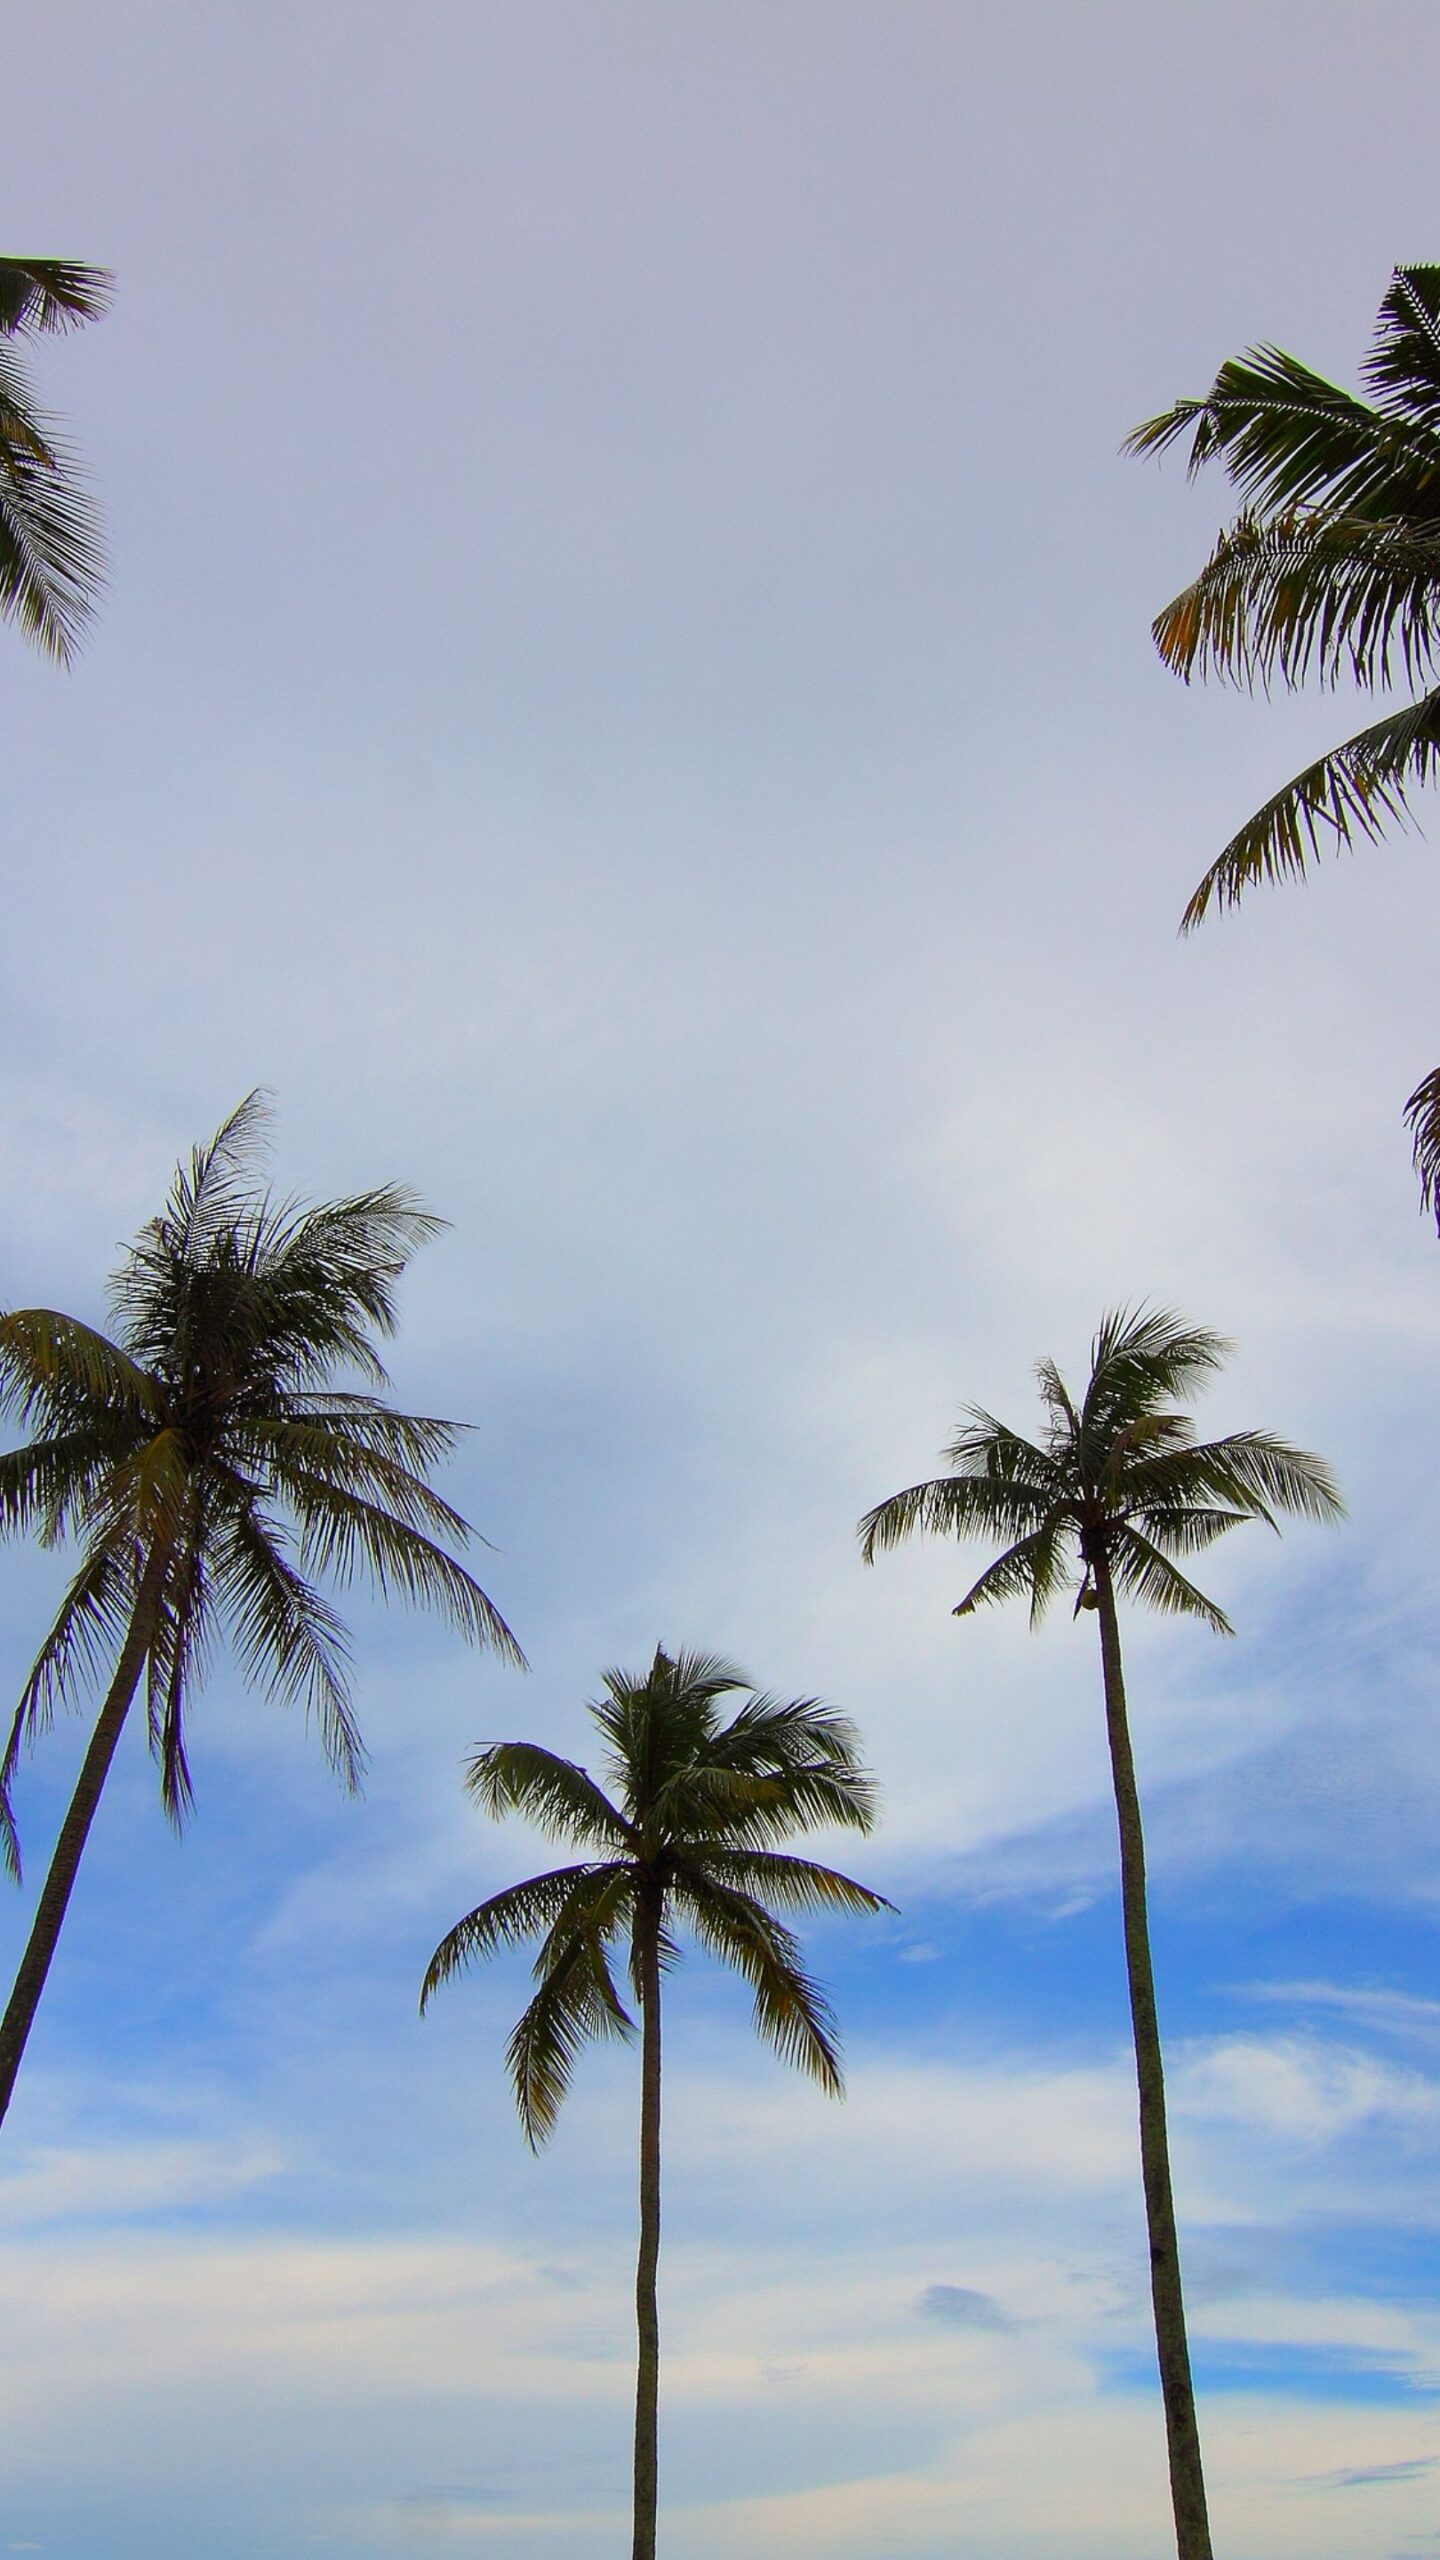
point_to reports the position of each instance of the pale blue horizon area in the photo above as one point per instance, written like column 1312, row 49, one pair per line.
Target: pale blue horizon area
column 625, row 700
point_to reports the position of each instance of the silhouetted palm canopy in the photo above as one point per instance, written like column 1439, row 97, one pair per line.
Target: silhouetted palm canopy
column 1120, row 1471
column 209, row 1465
column 690, row 1811
column 1331, row 570
column 50, row 555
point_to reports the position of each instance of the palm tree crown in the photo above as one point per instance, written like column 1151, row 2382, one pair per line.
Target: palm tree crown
column 685, row 1836
column 1121, row 1472
column 50, row 556
column 1331, row 570
column 209, row 1467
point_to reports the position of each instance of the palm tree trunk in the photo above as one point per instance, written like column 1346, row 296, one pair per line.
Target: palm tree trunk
column 647, row 2314
column 1187, row 2478
column 75, row 1829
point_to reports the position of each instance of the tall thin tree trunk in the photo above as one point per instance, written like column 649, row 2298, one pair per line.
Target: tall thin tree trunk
column 647, row 2312
column 1187, row 2478
column 75, row 1829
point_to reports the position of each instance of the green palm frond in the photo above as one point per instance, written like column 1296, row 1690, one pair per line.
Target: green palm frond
column 59, row 1372
column 1141, row 1570
column 1422, row 1113
column 51, row 557
column 288, row 1638
column 1334, row 597
column 959, row 1506
column 749, row 1810
column 985, row 1446
column 326, row 1449
column 1056, row 1397
column 88, row 1629
column 557, row 1796
column 1403, row 365
column 345, row 1535
column 1288, row 438
column 178, row 1651
column 508, row 1919
column 791, row 2012
column 1186, row 1529
column 767, row 1734
column 658, row 1726
column 52, row 560
column 1143, row 1356
column 51, row 294
column 1036, row 1565
column 796, row 1884
column 1345, row 797
column 50, row 1487
column 576, row 2005
column 1253, row 1472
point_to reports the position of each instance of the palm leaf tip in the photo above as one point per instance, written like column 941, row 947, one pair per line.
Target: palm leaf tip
column 1422, row 1113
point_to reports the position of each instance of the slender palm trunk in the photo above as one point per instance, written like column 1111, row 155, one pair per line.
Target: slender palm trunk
column 647, row 2313
column 75, row 1829
column 1187, row 2478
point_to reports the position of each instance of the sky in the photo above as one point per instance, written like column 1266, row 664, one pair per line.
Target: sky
column 625, row 700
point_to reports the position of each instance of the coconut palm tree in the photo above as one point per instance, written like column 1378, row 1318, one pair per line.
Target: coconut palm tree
column 683, row 1839
column 209, row 1465
column 50, row 558
column 1114, row 1489
column 1331, row 570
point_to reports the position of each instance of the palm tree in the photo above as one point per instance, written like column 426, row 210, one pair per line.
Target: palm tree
column 1331, row 569
column 1114, row 1489
column 208, row 1467
column 684, row 1839
column 50, row 558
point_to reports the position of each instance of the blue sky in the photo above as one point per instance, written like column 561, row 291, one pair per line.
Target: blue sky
column 625, row 698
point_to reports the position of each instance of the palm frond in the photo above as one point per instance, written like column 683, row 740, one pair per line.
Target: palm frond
column 1142, row 1356
column 58, row 1371
column 791, row 2011
column 51, row 555
column 345, row 1535
column 767, row 1734
column 1337, row 597
column 1403, row 365
column 1254, row 1473
column 52, row 1486
column 329, row 1449
column 508, row 1919
column 985, row 1446
column 1347, row 796
column 51, row 294
column 1422, row 1112
column 576, row 2005
column 557, row 1796
column 1141, row 1570
column 958, row 1506
column 1036, row 1565
column 1186, row 1529
column 1064, row 1419
column 1288, row 438
column 176, row 1658
column 796, row 1884
column 749, row 1808
column 88, row 1630
column 286, row 1634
